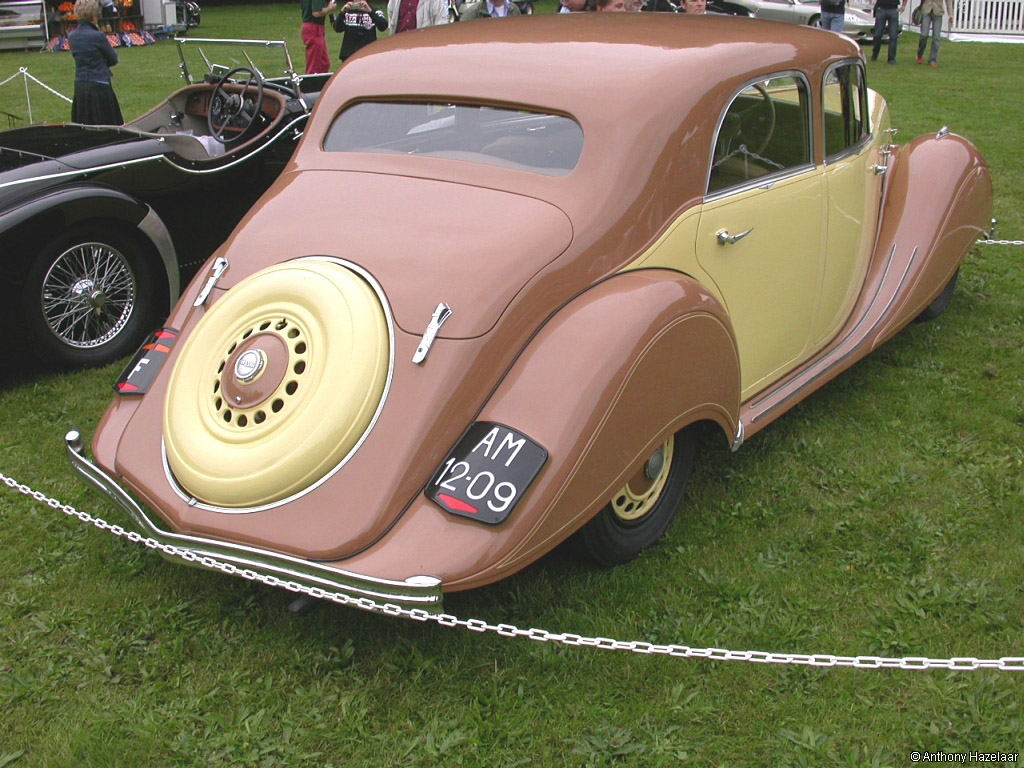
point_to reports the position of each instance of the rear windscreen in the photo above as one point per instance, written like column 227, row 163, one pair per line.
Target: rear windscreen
column 523, row 140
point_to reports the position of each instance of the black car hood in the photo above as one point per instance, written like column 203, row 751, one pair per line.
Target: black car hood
column 70, row 143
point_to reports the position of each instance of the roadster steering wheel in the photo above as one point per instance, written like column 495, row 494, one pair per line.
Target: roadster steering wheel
column 756, row 121
column 234, row 113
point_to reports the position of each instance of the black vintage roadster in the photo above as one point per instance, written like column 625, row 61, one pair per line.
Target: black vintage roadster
column 102, row 225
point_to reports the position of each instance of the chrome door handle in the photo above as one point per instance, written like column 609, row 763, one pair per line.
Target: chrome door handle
column 724, row 238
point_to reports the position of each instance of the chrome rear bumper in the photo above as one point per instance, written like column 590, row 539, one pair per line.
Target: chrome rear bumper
column 423, row 592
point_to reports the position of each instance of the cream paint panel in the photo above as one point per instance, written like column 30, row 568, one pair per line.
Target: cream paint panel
column 853, row 190
column 770, row 279
column 676, row 249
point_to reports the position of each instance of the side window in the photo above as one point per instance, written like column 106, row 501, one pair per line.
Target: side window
column 845, row 104
column 765, row 130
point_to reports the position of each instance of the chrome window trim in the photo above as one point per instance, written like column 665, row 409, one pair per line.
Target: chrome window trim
column 193, row 502
column 866, row 140
column 761, row 182
column 809, row 118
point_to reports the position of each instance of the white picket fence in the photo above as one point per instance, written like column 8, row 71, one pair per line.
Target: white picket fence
column 995, row 17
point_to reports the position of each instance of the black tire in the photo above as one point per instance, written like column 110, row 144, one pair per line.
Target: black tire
column 815, row 21
column 941, row 302
column 610, row 539
column 90, row 297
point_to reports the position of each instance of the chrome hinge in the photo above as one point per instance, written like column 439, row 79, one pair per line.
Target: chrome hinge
column 885, row 154
column 441, row 313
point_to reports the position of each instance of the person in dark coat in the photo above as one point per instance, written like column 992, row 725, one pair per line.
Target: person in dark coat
column 359, row 23
column 95, row 102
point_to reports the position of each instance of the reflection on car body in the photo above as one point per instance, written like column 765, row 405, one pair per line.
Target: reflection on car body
column 531, row 298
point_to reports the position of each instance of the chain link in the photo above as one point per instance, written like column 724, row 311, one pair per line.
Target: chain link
column 1001, row 242
column 967, row 663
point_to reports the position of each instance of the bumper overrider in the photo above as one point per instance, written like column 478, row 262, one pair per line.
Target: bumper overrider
column 422, row 592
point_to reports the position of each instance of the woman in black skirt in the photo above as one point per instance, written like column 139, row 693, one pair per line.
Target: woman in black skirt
column 94, row 102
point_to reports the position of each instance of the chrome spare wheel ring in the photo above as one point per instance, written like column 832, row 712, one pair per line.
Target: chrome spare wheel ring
column 88, row 295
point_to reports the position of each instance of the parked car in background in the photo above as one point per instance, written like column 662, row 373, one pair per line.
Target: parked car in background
column 101, row 225
column 857, row 22
column 485, row 309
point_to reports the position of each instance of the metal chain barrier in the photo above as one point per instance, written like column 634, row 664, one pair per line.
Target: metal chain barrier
column 1001, row 242
column 1006, row 663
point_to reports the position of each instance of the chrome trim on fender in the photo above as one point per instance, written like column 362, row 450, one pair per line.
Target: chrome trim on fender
column 943, row 132
column 192, row 502
column 422, row 592
column 153, row 227
column 741, row 430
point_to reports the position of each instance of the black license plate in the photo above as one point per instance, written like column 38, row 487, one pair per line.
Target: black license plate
column 487, row 473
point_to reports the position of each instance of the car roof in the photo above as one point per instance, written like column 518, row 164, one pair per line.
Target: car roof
column 584, row 62
column 641, row 85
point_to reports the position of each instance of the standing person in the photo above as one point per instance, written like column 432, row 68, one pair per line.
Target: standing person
column 572, row 6
column 490, row 9
column 359, row 23
column 695, row 6
column 95, row 102
column 404, row 15
column 313, row 14
column 887, row 14
column 931, row 18
column 832, row 13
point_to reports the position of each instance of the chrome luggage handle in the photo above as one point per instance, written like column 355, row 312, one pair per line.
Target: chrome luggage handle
column 724, row 238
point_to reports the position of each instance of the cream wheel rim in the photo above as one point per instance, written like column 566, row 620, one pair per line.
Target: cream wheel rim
column 637, row 497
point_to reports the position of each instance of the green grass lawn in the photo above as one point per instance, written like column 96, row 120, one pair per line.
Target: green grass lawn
column 882, row 516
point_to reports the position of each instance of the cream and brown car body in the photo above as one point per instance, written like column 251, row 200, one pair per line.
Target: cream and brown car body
column 737, row 229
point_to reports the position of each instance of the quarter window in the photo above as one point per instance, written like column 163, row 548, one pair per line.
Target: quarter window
column 845, row 104
column 765, row 130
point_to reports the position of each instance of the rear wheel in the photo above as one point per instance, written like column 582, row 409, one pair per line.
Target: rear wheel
column 640, row 513
column 941, row 302
column 90, row 298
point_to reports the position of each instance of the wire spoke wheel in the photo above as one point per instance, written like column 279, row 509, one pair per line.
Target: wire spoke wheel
column 88, row 295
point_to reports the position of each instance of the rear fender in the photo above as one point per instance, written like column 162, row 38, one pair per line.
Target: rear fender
column 938, row 202
column 29, row 225
column 606, row 381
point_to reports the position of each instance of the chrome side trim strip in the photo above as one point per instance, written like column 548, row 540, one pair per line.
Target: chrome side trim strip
column 153, row 158
column 422, row 592
column 187, row 498
column 82, row 171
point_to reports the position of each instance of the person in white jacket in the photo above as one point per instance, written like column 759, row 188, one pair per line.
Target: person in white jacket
column 404, row 15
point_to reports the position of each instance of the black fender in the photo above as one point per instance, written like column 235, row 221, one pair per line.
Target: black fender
column 35, row 219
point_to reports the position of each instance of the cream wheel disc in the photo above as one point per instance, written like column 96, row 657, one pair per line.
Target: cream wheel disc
column 276, row 384
column 640, row 494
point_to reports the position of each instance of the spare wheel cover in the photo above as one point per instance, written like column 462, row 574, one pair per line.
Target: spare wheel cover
column 276, row 384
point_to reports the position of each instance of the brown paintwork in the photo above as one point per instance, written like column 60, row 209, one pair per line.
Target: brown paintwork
column 597, row 367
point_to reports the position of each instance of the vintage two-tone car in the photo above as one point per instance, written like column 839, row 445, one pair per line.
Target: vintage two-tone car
column 101, row 225
column 485, row 309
